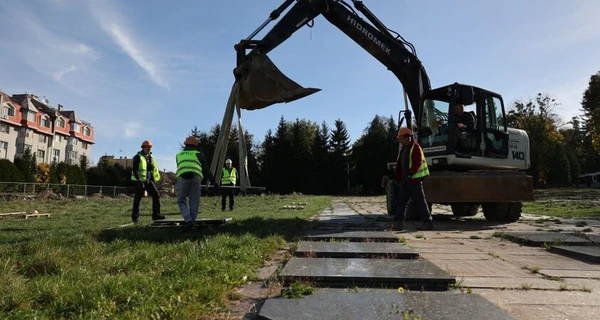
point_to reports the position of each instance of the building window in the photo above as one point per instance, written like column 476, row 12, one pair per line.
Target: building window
column 86, row 131
column 75, row 127
column 8, row 110
column 28, row 146
column 30, row 116
column 56, row 154
column 84, row 145
column 4, row 128
column 46, row 121
column 58, row 138
column 3, row 145
column 61, row 122
column 25, row 132
column 43, row 138
column 41, row 154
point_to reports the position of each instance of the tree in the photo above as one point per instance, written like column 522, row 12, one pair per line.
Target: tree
column 42, row 174
column 84, row 163
column 372, row 151
column 591, row 110
column 320, row 160
column 9, row 172
column 538, row 119
column 339, row 147
column 27, row 164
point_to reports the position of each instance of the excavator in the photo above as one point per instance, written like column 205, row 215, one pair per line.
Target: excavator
column 483, row 167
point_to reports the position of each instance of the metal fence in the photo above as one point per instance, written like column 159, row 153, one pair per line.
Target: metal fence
column 66, row 190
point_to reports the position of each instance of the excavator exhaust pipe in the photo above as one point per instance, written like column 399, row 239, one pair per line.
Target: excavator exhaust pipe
column 262, row 84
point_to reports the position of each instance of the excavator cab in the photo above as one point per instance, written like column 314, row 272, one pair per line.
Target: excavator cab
column 262, row 84
column 462, row 125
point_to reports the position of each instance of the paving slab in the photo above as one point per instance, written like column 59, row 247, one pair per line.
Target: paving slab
column 456, row 256
column 516, row 283
column 335, row 304
column 591, row 274
column 456, row 248
column 540, row 297
column 356, row 236
column 351, row 272
column 542, row 238
column 548, row 260
column 584, row 253
column 481, row 268
column 584, row 284
column 315, row 249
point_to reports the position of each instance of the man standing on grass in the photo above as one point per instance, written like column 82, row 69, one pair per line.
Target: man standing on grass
column 228, row 178
column 191, row 169
column 145, row 174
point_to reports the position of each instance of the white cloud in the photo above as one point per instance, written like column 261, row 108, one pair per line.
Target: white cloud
column 61, row 73
column 131, row 129
column 110, row 21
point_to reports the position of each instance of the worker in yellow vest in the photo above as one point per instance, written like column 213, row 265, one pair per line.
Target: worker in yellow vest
column 145, row 174
column 228, row 178
column 191, row 169
column 411, row 169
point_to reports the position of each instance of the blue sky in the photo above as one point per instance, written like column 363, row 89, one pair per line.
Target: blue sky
column 154, row 69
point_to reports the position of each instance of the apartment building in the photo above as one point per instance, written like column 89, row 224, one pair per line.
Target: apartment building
column 52, row 134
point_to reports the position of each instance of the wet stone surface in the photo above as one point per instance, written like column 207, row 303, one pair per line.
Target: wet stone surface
column 350, row 272
column 382, row 304
column 545, row 238
column 354, row 250
column 584, row 253
column 356, row 236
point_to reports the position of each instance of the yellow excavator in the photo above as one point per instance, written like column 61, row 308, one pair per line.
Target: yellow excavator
column 483, row 167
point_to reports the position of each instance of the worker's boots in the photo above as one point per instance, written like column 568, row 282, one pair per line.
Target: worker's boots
column 427, row 225
column 158, row 217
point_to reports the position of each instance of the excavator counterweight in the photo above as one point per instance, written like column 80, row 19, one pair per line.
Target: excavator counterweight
column 263, row 84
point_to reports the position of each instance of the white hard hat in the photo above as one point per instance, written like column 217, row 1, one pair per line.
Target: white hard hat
column 228, row 161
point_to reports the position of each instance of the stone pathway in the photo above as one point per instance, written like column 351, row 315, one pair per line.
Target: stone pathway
column 362, row 271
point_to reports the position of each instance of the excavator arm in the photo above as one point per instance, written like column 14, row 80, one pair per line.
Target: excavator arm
column 262, row 84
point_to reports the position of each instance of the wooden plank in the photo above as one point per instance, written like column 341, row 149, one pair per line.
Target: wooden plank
column 10, row 214
column 36, row 215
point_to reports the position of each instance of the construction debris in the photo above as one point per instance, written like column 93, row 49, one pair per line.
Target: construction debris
column 293, row 207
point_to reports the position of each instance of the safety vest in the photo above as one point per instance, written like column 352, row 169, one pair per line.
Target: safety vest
column 187, row 161
column 143, row 169
column 229, row 177
column 423, row 170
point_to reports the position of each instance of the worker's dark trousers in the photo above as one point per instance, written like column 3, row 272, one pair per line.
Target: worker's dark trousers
column 137, row 198
column 226, row 192
column 403, row 192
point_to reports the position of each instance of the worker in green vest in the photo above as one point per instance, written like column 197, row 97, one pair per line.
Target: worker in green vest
column 145, row 174
column 411, row 169
column 192, row 167
column 228, row 178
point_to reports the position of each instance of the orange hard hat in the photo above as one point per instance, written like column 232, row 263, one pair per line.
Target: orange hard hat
column 404, row 132
column 147, row 144
column 191, row 141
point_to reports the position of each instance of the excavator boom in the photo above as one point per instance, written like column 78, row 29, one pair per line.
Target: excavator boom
column 263, row 84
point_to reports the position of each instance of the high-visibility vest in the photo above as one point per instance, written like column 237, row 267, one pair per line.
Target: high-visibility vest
column 423, row 170
column 187, row 161
column 229, row 177
column 143, row 168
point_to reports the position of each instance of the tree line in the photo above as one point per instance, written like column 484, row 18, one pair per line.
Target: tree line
column 308, row 157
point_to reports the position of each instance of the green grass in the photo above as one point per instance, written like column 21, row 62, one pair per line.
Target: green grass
column 78, row 264
column 565, row 203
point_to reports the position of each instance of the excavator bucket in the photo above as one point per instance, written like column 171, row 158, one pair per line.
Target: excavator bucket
column 262, row 84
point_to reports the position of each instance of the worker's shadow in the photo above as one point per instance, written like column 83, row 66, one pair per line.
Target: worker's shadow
column 290, row 229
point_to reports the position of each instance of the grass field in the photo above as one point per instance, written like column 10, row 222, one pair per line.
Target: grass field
column 566, row 203
column 78, row 264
